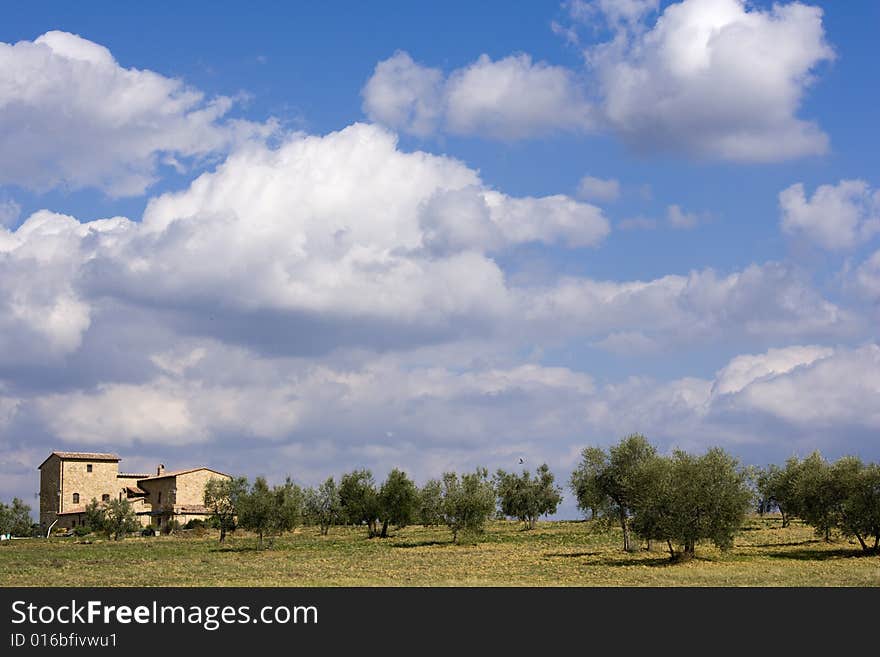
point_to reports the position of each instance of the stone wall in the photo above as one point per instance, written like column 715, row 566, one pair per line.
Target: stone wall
column 75, row 478
column 50, row 484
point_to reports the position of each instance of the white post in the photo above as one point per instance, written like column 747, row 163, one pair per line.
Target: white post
column 49, row 531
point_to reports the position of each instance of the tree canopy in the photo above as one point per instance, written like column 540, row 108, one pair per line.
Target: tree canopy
column 525, row 498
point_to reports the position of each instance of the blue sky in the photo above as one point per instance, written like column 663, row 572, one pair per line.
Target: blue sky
column 288, row 287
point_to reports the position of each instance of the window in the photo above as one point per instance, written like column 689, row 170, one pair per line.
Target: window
column 76, row 498
column 105, row 497
column 159, row 499
column 89, row 467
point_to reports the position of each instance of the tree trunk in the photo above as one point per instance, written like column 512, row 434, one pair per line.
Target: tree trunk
column 532, row 522
column 671, row 551
column 222, row 533
column 688, row 552
column 625, row 527
column 384, row 529
column 261, row 540
column 650, row 545
column 862, row 542
column 784, row 517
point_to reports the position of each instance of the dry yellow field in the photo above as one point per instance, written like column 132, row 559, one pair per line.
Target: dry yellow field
column 553, row 554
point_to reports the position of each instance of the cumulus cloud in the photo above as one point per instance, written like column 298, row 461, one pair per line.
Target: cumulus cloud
column 745, row 370
column 42, row 314
column 322, row 226
column 710, row 78
column 830, row 390
column 716, row 78
column 405, row 95
column 591, row 188
column 510, row 98
column 314, row 245
column 72, row 117
column 770, row 300
column 316, row 241
column 310, row 419
column 836, row 217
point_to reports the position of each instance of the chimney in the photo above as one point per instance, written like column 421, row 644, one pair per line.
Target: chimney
column 160, row 470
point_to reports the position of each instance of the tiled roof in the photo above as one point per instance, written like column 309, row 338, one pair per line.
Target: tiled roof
column 90, row 456
column 191, row 508
column 128, row 475
column 76, row 509
column 177, row 473
column 134, row 491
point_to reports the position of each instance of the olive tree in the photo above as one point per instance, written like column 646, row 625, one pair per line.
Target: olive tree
column 525, row 498
column 430, row 503
column 858, row 514
column 398, row 500
column 686, row 499
column 119, row 519
column 359, row 500
column 95, row 516
column 468, row 502
column 322, row 506
column 15, row 519
column 819, row 493
column 288, row 507
column 776, row 489
column 592, row 500
column 270, row 511
column 222, row 499
column 609, row 483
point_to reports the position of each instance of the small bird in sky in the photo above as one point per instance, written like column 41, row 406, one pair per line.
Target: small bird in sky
column 521, row 460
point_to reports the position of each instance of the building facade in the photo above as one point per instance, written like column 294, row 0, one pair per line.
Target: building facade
column 69, row 481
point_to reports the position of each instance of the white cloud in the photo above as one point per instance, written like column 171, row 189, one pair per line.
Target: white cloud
column 711, row 78
column 614, row 11
column 591, row 188
column 72, row 117
column 387, row 410
column 747, row 369
column 42, row 314
column 321, row 225
column 838, row 390
column 514, row 98
column 315, row 246
column 628, row 343
column 770, row 300
column 405, row 95
column 309, row 245
column 9, row 212
column 678, row 218
column 836, row 217
column 867, row 277
column 716, row 78
column 511, row 98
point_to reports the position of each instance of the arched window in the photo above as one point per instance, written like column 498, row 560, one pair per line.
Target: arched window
column 76, row 498
column 105, row 497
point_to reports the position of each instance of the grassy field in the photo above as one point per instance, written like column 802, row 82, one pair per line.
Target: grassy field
column 553, row 554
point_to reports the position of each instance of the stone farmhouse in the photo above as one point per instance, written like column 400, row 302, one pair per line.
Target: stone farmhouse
column 70, row 480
